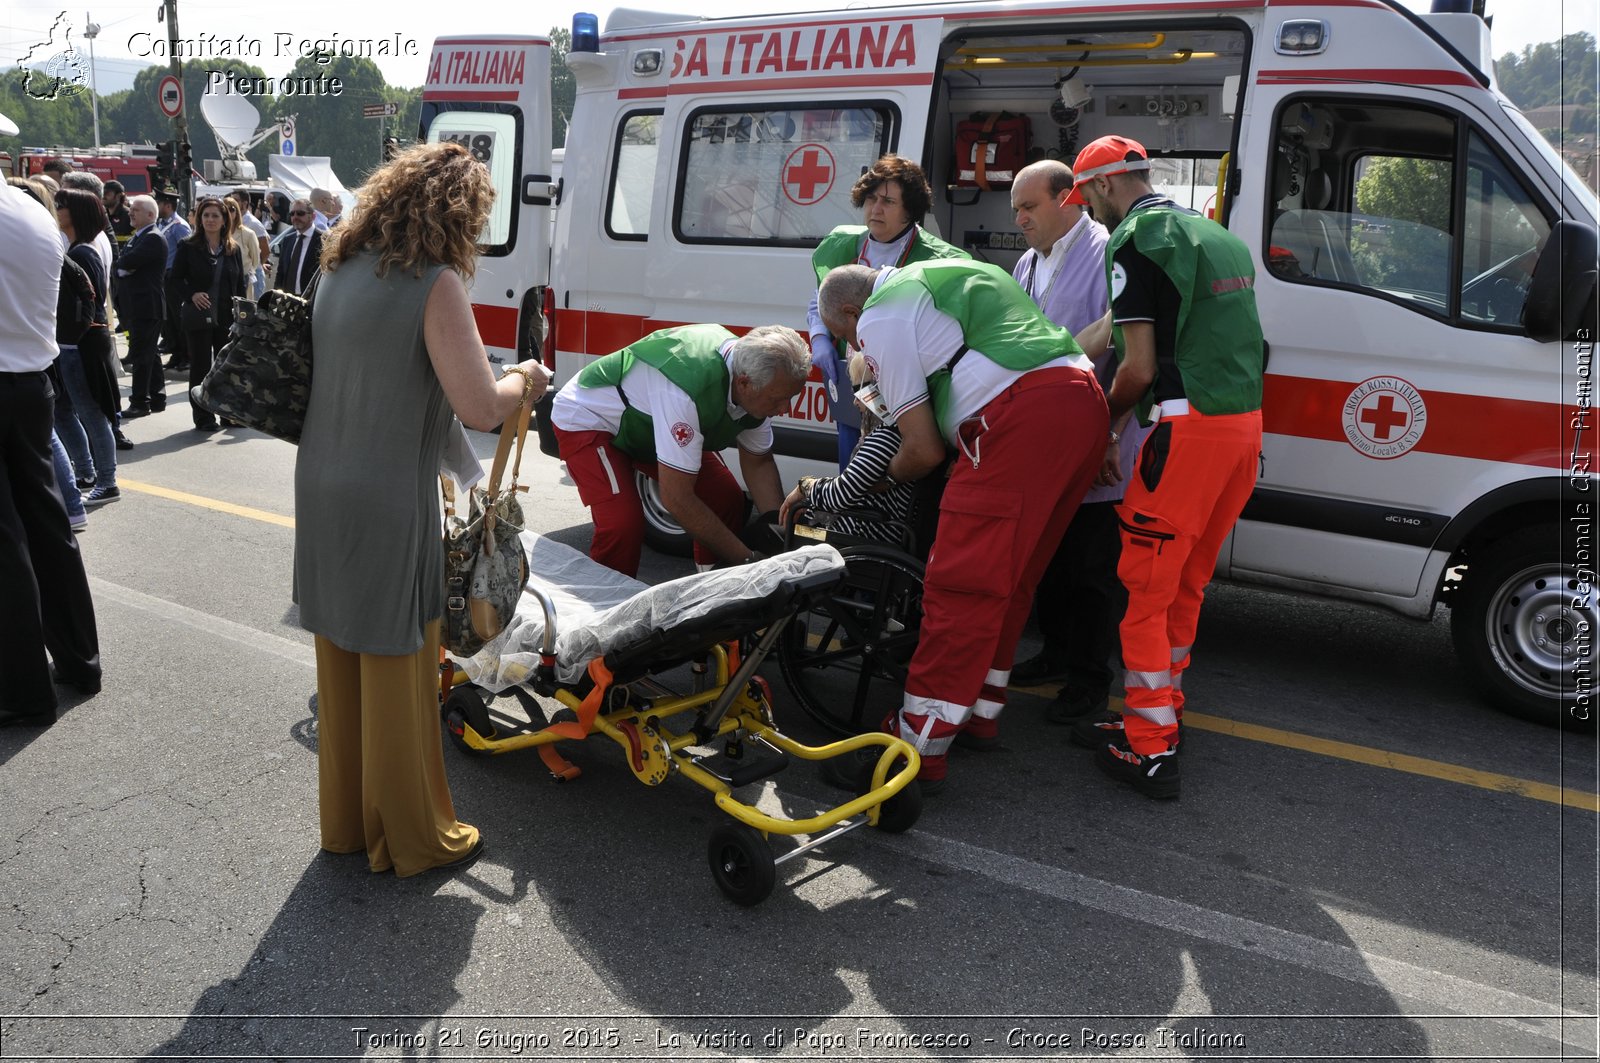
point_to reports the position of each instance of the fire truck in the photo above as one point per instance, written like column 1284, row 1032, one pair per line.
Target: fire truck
column 130, row 164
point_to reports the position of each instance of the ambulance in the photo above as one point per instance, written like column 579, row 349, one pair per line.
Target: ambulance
column 1425, row 261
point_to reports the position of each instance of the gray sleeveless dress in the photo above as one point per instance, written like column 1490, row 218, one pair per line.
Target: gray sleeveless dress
column 368, row 564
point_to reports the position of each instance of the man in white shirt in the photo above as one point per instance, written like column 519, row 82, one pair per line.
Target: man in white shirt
column 1080, row 600
column 665, row 405
column 48, row 608
column 965, row 360
column 300, row 252
column 328, row 208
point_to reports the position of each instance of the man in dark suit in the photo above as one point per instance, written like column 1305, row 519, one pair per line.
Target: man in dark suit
column 297, row 262
column 141, row 273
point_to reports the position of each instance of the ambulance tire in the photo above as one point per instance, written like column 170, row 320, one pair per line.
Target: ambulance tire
column 662, row 533
column 1513, row 621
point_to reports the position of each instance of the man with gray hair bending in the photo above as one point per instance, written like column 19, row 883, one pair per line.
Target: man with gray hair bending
column 664, row 405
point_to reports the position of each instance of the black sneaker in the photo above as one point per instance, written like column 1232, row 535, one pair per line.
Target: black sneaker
column 1073, row 704
column 123, row 442
column 1152, row 774
column 1096, row 729
column 1044, row 667
column 101, row 495
column 85, row 483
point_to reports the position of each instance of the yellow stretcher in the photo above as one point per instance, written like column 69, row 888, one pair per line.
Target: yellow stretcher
column 731, row 739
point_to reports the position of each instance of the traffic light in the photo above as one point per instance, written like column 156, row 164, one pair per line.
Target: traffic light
column 161, row 172
column 185, row 161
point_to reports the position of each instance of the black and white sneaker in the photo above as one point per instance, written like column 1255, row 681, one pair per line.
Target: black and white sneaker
column 1096, row 729
column 1152, row 774
column 101, row 495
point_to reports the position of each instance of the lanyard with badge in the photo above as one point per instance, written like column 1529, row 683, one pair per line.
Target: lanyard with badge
column 1061, row 267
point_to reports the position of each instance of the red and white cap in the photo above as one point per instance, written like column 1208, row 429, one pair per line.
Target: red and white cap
column 1104, row 157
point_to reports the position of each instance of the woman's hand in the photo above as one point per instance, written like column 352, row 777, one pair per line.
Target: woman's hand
column 791, row 502
column 539, row 378
column 202, row 300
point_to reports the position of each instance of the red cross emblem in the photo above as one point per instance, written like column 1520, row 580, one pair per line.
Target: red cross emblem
column 682, row 434
column 808, row 174
column 1383, row 417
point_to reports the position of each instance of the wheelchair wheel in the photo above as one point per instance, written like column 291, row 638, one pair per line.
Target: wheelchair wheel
column 466, row 705
column 845, row 658
column 741, row 863
column 899, row 813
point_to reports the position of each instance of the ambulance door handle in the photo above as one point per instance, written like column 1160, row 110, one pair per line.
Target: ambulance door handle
column 537, row 191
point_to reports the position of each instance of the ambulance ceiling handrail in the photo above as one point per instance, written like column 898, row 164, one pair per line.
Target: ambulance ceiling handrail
column 980, row 62
column 1056, row 46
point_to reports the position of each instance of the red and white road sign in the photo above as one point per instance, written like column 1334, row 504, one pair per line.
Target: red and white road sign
column 169, row 93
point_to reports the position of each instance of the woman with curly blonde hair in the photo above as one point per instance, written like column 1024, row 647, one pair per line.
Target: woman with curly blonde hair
column 397, row 358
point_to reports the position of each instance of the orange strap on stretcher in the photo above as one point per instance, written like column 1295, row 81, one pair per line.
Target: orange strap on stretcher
column 560, row 766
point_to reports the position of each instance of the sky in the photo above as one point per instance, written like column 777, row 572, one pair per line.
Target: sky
column 278, row 28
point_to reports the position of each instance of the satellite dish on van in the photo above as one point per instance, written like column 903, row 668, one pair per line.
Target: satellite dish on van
column 233, row 119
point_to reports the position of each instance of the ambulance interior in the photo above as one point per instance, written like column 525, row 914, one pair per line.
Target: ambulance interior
column 1173, row 90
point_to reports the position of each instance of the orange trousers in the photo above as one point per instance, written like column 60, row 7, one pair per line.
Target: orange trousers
column 1194, row 475
column 381, row 779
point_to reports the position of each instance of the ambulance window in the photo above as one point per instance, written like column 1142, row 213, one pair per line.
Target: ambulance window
column 493, row 138
column 633, row 176
column 778, row 176
column 1504, row 231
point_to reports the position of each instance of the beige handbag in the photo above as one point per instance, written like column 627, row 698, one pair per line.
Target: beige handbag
column 485, row 567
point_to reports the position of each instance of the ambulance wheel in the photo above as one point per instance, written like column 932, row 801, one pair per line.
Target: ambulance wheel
column 662, row 533
column 466, row 705
column 845, row 657
column 741, row 863
column 899, row 813
column 1518, row 633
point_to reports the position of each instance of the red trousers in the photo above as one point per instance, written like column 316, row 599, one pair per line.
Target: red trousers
column 1027, row 458
column 1194, row 475
column 604, row 476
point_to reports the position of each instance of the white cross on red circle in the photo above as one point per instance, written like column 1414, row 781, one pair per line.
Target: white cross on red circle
column 808, row 174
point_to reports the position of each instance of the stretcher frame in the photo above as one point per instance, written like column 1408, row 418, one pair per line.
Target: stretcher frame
column 619, row 700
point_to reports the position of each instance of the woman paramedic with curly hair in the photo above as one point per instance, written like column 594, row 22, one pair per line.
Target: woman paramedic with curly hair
column 397, row 357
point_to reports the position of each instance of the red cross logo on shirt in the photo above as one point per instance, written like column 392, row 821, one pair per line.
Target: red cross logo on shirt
column 1383, row 417
column 682, row 434
column 808, row 174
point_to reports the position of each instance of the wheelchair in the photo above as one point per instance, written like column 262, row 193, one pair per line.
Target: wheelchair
column 845, row 654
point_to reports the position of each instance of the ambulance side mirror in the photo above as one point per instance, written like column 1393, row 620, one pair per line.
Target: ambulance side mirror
column 1561, row 292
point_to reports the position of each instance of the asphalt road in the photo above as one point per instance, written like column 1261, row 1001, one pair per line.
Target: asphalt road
column 1366, row 860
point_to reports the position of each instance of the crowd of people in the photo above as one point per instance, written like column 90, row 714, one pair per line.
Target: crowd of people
column 1093, row 418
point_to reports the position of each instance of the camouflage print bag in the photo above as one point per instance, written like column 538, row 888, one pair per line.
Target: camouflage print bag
column 262, row 376
column 485, row 567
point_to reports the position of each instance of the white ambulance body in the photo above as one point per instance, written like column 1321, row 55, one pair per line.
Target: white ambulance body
column 1420, row 441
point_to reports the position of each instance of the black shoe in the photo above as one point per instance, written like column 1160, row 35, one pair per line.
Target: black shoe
column 158, row 405
column 86, row 683
column 1152, row 774
column 1096, row 729
column 978, row 743
column 226, row 423
column 135, row 411
column 123, row 442
column 27, row 719
column 84, row 482
column 466, row 859
column 1073, row 704
column 101, row 495
column 206, row 428
column 1045, row 667
column 176, row 367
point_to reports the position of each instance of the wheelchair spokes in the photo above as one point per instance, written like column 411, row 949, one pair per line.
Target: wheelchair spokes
column 845, row 658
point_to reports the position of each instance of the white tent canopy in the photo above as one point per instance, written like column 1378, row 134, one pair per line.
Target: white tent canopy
column 299, row 174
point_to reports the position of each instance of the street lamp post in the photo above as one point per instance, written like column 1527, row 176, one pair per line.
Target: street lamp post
column 91, row 30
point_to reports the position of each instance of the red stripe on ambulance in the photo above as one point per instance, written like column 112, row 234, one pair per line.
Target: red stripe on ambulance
column 497, row 325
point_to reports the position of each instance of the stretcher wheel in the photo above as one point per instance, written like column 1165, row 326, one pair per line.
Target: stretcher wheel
column 741, row 863
column 465, row 705
column 899, row 813
column 845, row 658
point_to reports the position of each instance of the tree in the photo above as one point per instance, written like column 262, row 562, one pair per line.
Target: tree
column 332, row 125
column 563, row 86
column 137, row 118
column 66, row 120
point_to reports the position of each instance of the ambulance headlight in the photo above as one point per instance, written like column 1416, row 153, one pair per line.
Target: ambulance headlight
column 585, row 32
column 1302, row 36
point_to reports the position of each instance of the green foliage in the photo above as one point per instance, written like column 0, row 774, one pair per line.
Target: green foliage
column 1411, row 197
column 332, row 125
column 563, row 86
column 1556, row 72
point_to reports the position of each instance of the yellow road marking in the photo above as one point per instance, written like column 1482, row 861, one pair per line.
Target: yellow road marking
column 207, row 503
column 1377, row 758
column 1382, row 758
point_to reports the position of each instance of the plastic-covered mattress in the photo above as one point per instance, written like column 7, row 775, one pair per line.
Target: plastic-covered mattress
column 599, row 611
